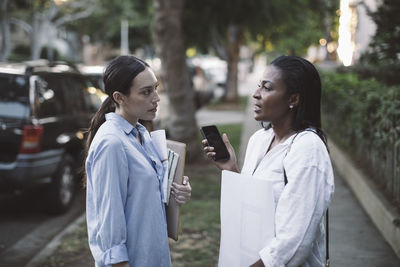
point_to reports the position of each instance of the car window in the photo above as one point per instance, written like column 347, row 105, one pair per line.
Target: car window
column 92, row 96
column 89, row 98
column 73, row 88
column 14, row 96
column 50, row 96
column 96, row 80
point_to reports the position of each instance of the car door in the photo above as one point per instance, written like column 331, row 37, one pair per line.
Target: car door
column 52, row 111
column 14, row 111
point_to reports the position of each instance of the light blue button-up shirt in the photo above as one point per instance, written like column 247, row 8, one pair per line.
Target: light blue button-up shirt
column 124, row 208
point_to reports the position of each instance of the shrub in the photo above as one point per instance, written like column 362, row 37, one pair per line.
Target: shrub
column 382, row 70
column 364, row 116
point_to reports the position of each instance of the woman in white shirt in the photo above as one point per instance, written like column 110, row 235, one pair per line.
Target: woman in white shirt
column 290, row 151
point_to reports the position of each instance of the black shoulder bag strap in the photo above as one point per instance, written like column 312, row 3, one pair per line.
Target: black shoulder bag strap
column 326, row 215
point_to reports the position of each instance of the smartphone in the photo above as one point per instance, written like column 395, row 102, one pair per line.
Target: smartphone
column 214, row 139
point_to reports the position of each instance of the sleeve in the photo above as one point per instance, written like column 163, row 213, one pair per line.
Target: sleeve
column 301, row 206
column 107, row 171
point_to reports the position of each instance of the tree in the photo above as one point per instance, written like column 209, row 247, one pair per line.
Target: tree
column 382, row 60
column 46, row 16
column 386, row 42
column 307, row 22
column 167, row 25
column 104, row 25
column 227, row 24
column 5, row 31
column 8, row 8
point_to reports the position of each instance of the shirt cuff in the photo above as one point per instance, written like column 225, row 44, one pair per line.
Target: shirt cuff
column 116, row 254
column 269, row 258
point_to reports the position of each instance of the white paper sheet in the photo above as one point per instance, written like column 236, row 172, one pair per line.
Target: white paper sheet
column 247, row 219
column 160, row 143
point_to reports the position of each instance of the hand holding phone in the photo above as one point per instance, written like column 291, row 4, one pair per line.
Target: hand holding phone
column 214, row 139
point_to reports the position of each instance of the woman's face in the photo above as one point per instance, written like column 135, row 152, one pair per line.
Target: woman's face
column 143, row 98
column 271, row 102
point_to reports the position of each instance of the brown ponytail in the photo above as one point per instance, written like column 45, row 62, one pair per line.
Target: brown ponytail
column 98, row 119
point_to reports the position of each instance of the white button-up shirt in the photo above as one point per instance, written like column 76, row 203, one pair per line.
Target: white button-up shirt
column 300, row 205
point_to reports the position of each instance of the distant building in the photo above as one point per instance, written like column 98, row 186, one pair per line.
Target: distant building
column 356, row 28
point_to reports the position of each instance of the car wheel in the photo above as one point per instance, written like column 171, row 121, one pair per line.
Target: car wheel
column 62, row 189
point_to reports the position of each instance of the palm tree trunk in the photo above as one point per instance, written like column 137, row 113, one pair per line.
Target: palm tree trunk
column 168, row 38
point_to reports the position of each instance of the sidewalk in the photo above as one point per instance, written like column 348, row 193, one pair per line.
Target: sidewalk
column 354, row 239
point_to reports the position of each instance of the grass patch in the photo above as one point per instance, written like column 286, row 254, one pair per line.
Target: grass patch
column 243, row 100
column 234, row 132
column 241, row 105
column 198, row 243
column 73, row 250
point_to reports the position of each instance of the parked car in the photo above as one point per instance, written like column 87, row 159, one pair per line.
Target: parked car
column 203, row 88
column 44, row 109
column 215, row 72
column 94, row 74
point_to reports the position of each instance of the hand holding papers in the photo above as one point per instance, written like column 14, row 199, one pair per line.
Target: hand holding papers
column 247, row 219
column 172, row 154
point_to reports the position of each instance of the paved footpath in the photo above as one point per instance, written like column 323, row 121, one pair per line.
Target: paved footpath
column 354, row 240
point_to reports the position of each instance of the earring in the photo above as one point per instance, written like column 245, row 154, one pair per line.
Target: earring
column 291, row 106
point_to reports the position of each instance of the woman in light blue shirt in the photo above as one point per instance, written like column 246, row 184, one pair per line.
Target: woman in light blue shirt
column 124, row 208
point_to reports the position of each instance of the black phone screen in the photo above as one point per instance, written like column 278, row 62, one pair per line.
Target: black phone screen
column 214, row 139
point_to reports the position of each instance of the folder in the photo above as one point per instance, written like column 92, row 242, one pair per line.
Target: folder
column 172, row 209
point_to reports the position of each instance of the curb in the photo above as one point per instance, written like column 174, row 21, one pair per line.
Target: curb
column 381, row 212
column 55, row 242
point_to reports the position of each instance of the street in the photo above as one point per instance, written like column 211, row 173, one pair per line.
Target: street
column 25, row 228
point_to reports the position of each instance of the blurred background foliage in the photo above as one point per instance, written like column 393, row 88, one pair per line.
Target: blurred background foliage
column 362, row 116
column 104, row 25
column 283, row 26
column 382, row 60
column 361, row 103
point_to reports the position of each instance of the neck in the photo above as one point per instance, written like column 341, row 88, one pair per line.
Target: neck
column 123, row 114
column 282, row 131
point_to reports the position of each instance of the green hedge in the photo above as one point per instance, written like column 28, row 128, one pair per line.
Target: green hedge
column 385, row 72
column 363, row 116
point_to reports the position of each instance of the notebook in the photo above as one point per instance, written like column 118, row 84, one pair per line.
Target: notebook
column 178, row 153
